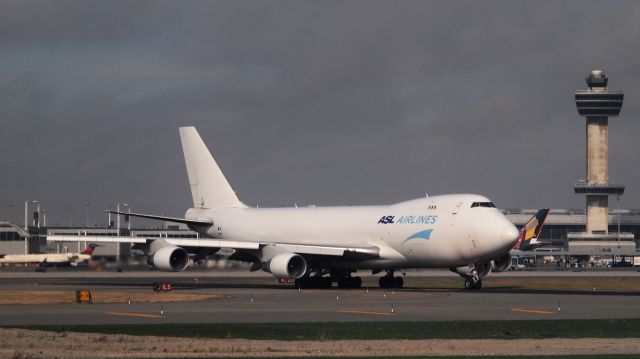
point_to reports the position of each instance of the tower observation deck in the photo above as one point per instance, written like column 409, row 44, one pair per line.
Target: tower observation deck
column 597, row 103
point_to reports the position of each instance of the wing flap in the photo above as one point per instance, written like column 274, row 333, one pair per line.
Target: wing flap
column 213, row 243
column 347, row 252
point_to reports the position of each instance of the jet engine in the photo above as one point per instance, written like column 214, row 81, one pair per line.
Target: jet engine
column 287, row 265
column 502, row 264
column 170, row 258
column 484, row 269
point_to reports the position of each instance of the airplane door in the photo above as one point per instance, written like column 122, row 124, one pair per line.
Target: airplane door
column 456, row 208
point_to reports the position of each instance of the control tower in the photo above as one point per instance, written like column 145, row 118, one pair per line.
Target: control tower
column 597, row 104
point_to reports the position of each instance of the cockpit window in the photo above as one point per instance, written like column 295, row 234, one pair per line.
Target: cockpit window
column 483, row 204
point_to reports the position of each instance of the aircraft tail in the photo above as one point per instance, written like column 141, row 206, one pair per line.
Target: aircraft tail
column 209, row 187
column 531, row 231
column 90, row 248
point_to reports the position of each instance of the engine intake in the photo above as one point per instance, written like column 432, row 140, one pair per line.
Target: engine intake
column 503, row 263
column 484, row 269
column 287, row 265
column 171, row 258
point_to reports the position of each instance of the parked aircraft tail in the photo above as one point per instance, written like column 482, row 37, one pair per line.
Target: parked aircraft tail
column 531, row 231
column 209, row 187
column 90, row 248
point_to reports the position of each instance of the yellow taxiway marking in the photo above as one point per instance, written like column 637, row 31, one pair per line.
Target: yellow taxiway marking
column 363, row 312
column 534, row 311
column 125, row 314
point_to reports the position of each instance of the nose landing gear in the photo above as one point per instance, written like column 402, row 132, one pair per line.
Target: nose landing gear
column 471, row 277
column 473, row 283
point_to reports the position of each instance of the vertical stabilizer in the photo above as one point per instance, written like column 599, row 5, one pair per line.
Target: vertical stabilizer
column 530, row 232
column 209, row 187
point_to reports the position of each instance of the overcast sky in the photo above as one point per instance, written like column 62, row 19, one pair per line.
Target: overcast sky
column 327, row 103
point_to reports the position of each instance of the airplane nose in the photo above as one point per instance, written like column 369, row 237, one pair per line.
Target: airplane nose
column 509, row 234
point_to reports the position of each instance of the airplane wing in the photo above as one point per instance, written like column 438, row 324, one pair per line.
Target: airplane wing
column 353, row 253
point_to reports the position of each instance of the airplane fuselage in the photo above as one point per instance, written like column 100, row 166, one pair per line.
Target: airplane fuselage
column 51, row 258
column 439, row 231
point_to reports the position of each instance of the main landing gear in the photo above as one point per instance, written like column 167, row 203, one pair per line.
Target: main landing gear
column 389, row 281
column 350, row 282
column 321, row 280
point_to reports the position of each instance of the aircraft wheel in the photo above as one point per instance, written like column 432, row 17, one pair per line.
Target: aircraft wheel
column 478, row 284
column 357, row 282
column 385, row 282
column 398, row 282
column 472, row 283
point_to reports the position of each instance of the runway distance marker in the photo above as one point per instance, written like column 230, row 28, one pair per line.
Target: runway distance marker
column 533, row 311
column 128, row 314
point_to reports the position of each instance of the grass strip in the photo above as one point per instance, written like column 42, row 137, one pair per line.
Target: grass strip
column 599, row 356
column 516, row 329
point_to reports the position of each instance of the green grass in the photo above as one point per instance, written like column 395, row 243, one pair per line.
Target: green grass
column 588, row 328
column 600, row 356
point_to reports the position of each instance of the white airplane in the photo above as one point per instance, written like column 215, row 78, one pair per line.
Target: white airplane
column 320, row 245
column 72, row 259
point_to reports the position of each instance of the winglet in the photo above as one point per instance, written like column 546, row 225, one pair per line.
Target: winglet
column 531, row 231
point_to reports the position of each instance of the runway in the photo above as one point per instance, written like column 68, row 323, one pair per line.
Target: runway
column 260, row 299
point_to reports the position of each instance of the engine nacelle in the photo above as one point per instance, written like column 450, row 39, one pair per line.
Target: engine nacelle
column 170, row 258
column 502, row 264
column 484, row 269
column 287, row 265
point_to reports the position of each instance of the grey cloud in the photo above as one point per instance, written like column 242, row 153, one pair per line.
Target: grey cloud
column 352, row 102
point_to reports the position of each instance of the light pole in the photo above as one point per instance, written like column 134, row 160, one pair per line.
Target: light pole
column 10, row 210
column 26, row 224
column 26, row 215
column 109, row 218
column 118, row 225
column 70, row 218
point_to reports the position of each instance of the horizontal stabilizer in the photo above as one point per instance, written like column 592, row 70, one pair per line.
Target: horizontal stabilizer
column 96, row 239
column 192, row 222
